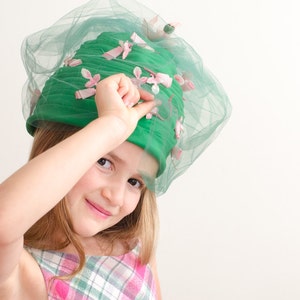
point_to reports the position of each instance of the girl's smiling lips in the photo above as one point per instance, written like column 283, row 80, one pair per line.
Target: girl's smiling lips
column 98, row 209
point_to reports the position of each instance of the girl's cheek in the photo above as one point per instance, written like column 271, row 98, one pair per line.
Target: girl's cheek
column 134, row 205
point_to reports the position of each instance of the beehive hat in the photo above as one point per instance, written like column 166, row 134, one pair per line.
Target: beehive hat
column 65, row 62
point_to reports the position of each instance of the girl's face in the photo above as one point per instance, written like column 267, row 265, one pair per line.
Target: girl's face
column 110, row 189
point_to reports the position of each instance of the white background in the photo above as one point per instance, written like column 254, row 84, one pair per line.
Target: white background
column 230, row 227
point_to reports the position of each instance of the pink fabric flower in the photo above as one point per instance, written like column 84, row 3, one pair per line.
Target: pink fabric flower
column 140, row 42
column 124, row 49
column 72, row 62
column 176, row 153
column 138, row 80
column 178, row 128
column 159, row 78
column 93, row 80
column 90, row 90
column 86, row 93
column 184, row 81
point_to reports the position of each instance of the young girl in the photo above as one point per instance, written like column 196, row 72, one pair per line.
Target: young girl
column 119, row 106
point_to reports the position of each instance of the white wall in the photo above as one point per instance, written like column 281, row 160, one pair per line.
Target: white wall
column 230, row 226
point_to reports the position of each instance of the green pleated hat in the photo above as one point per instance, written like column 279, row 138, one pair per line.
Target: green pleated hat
column 65, row 62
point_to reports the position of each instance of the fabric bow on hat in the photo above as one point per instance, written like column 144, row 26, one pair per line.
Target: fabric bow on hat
column 125, row 47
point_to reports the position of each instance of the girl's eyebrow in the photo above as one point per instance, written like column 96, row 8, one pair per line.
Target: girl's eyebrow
column 117, row 158
column 120, row 160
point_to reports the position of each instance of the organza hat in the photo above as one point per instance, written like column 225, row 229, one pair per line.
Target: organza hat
column 65, row 62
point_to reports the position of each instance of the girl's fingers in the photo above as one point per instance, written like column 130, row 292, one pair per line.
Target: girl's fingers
column 119, row 96
column 143, row 108
column 146, row 96
column 131, row 97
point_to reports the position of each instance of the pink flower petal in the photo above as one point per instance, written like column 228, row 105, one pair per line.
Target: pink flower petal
column 178, row 128
column 86, row 73
column 140, row 42
column 93, row 81
column 164, row 79
column 137, row 71
column 113, row 53
column 188, row 86
column 73, row 62
column 126, row 49
column 86, row 93
column 179, row 79
column 176, row 153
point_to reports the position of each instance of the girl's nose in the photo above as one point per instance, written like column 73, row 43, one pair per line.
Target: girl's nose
column 114, row 192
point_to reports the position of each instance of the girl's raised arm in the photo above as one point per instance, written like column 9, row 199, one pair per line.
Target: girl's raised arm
column 40, row 184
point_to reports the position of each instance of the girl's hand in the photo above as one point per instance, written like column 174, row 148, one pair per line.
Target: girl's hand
column 117, row 96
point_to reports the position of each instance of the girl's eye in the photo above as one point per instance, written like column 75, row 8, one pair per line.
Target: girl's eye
column 135, row 183
column 105, row 163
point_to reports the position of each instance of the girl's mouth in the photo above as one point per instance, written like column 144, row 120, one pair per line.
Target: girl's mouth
column 98, row 209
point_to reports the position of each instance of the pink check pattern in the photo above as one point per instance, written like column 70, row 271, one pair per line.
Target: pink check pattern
column 103, row 277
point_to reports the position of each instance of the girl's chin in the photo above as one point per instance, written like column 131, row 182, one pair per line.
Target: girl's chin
column 86, row 231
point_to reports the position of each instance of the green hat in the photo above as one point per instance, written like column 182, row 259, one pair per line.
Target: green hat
column 65, row 62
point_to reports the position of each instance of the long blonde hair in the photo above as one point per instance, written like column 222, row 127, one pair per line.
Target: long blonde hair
column 141, row 225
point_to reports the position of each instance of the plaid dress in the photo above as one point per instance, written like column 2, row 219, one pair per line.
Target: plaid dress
column 103, row 277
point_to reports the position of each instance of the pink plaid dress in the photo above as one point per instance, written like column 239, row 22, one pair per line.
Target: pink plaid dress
column 103, row 277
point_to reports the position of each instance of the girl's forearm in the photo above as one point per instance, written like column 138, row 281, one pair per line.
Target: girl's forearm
column 40, row 184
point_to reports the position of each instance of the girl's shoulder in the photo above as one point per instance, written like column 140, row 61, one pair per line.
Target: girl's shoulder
column 31, row 275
